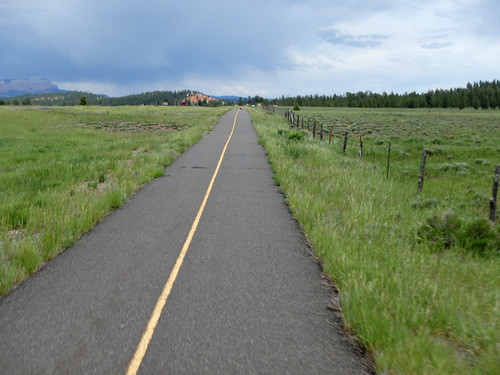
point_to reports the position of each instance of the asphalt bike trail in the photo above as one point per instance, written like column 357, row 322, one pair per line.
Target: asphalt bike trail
column 247, row 297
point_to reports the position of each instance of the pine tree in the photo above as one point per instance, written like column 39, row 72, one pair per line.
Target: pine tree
column 83, row 100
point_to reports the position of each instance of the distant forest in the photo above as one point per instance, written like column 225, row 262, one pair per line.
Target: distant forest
column 476, row 95
column 75, row 98
column 484, row 95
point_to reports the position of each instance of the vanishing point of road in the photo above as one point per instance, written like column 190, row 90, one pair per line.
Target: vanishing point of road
column 203, row 271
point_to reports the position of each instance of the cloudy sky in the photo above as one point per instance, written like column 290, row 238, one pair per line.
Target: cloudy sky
column 246, row 48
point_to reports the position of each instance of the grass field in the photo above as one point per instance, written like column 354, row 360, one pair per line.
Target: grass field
column 418, row 274
column 63, row 169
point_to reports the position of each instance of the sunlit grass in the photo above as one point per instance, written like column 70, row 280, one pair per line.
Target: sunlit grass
column 416, row 310
column 63, row 169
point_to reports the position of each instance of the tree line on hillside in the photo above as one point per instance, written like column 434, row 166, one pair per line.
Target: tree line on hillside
column 159, row 98
column 75, row 98
column 476, row 95
column 483, row 95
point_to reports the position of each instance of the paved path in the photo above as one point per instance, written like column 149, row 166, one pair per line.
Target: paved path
column 248, row 299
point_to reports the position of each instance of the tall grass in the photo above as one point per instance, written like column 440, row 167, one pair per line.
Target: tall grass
column 63, row 169
column 416, row 310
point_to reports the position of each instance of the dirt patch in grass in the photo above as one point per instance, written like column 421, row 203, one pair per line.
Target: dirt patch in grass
column 16, row 234
column 134, row 127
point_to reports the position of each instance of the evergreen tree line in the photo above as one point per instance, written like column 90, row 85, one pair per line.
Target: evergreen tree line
column 74, row 98
column 483, row 95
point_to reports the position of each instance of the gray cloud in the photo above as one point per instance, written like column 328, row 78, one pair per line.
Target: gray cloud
column 261, row 44
column 335, row 36
column 170, row 39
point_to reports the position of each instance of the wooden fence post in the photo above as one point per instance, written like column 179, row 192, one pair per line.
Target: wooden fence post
column 321, row 133
column 493, row 199
column 331, row 135
column 314, row 129
column 345, row 141
column 422, row 172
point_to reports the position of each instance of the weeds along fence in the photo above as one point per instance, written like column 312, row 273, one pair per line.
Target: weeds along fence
column 327, row 133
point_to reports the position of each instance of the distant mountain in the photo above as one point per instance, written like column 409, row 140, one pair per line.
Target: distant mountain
column 10, row 88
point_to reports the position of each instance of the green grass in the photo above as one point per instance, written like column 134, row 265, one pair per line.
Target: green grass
column 417, row 309
column 63, row 169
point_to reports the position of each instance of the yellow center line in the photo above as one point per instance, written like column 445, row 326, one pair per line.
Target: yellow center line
column 142, row 347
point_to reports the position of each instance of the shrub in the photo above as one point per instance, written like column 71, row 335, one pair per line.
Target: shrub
column 423, row 203
column 403, row 154
column 461, row 169
column 292, row 135
column 458, row 167
column 440, row 231
column 296, row 135
column 481, row 162
column 479, row 237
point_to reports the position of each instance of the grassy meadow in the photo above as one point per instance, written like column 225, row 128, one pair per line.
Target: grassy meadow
column 62, row 169
column 418, row 274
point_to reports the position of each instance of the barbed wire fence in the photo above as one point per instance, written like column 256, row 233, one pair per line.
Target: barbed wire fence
column 319, row 130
